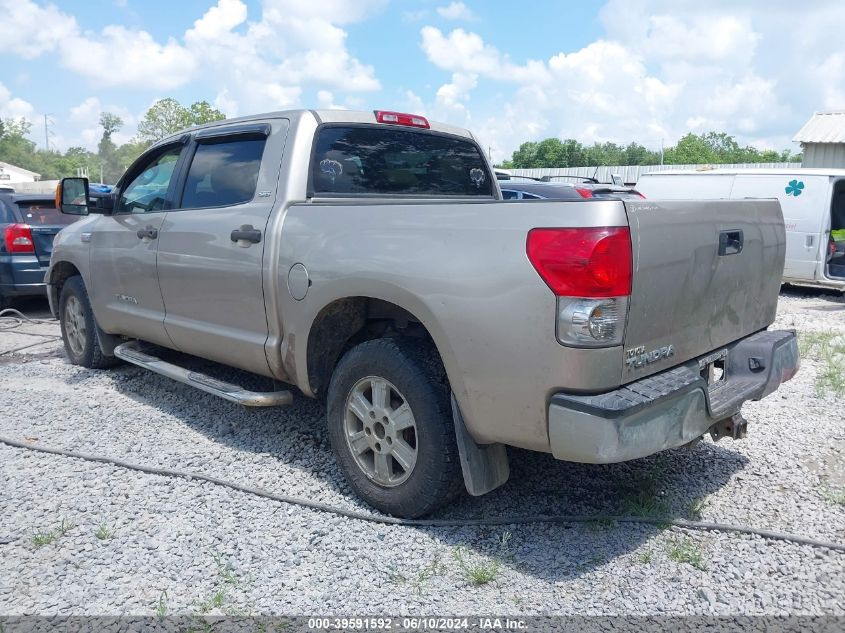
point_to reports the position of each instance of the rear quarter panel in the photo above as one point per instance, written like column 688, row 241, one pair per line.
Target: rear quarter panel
column 462, row 270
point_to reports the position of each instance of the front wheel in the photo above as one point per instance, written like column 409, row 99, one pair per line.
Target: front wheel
column 391, row 429
column 79, row 328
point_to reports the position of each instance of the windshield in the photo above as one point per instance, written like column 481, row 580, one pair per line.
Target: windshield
column 44, row 213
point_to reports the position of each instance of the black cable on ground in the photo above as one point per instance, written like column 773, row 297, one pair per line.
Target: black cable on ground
column 388, row 520
column 11, row 319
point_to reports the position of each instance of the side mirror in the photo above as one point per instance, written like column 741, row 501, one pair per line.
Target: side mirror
column 72, row 196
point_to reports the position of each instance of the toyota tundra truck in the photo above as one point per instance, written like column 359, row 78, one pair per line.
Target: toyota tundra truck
column 369, row 260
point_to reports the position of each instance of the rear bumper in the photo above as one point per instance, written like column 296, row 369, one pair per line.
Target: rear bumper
column 671, row 408
column 21, row 275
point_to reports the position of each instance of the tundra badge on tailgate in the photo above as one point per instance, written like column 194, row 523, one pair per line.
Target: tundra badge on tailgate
column 637, row 357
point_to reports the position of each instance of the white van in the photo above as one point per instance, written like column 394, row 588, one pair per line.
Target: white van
column 813, row 203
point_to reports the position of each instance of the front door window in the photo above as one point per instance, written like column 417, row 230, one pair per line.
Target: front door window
column 147, row 191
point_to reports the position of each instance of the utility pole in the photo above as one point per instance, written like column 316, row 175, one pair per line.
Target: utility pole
column 46, row 132
column 661, row 151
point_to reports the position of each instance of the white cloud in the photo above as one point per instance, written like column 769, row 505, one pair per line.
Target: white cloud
column 325, row 101
column 14, row 107
column 456, row 11
column 414, row 16
column 830, row 75
column 415, row 103
column 29, row 30
column 464, row 51
column 130, row 58
column 662, row 68
column 266, row 62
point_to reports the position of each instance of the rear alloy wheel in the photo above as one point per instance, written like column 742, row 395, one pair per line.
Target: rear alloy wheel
column 390, row 426
column 381, row 432
column 79, row 328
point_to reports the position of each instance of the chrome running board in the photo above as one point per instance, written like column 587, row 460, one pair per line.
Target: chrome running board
column 131, row 352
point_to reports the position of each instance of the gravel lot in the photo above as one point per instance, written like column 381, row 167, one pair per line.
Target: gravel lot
column 134, row 543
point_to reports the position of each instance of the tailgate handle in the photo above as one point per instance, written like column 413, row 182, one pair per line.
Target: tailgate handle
column 730, row 242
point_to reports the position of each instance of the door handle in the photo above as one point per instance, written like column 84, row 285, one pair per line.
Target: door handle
column 246, row 234
column 730, row 242
column 150, row 233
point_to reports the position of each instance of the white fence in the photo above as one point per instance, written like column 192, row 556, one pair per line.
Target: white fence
column 39, row 186
column 631, row 173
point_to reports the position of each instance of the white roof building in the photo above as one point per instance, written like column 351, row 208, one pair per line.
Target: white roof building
column 823, row 139
column 11, row 174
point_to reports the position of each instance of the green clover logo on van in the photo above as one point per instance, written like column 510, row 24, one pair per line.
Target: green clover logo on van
column 794, row 188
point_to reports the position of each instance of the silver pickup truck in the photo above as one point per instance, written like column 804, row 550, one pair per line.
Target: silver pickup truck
column 367, row 259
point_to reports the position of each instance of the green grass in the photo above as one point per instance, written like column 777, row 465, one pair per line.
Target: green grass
column 642, row 495
column 226, row 581
column 600, row 525
column 828, row 349
column 103, row 532
column 834, row 495
column 645, row 502
column 478, row 572
column 484, row 571
column 45, row 537
column 695, row 507
column 419, row 580
column 686, row 551
column 645, row 557
column 161, row 607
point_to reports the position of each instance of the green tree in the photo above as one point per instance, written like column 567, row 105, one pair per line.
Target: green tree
column 107, row 150
column 167, row 116
column 15, row 147
column 202, row 112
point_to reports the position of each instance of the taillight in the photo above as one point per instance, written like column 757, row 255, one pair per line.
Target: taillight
column 18, row 239
column 590, row 270
column 583, row 262
column 401, row 118
column 584, row 192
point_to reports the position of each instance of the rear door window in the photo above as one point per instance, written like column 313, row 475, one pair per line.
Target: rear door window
column 44, row 213
column 223, row 173
column 374, row 161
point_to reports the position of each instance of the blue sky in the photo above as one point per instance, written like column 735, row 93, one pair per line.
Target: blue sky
column 619, row 70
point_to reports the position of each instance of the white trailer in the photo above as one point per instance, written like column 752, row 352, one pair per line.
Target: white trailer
column 813, row 203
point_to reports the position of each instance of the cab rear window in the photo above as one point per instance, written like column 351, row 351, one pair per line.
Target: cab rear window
column 44, row 214
column 374, row 160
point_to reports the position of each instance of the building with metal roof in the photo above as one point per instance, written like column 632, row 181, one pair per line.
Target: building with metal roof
column 823, row 139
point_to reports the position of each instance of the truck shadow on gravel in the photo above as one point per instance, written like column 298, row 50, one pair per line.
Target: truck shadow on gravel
column 674, row 483
column 833, row 299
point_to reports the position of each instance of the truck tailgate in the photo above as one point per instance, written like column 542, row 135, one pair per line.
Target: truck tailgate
column 706, row 273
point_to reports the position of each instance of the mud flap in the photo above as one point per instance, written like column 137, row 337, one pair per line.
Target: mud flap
column 485, row 467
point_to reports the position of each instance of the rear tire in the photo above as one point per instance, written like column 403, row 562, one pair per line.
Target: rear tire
column 391, row 429
column 79, row 327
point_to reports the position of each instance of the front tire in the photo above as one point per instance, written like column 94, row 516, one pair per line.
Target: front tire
column 79, row 328
column 391, row 429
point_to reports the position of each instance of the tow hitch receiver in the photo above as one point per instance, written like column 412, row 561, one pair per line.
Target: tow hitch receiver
column 735, row 427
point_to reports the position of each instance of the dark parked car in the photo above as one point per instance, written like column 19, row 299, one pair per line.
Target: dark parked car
column 28, row 224
column 522, row 188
